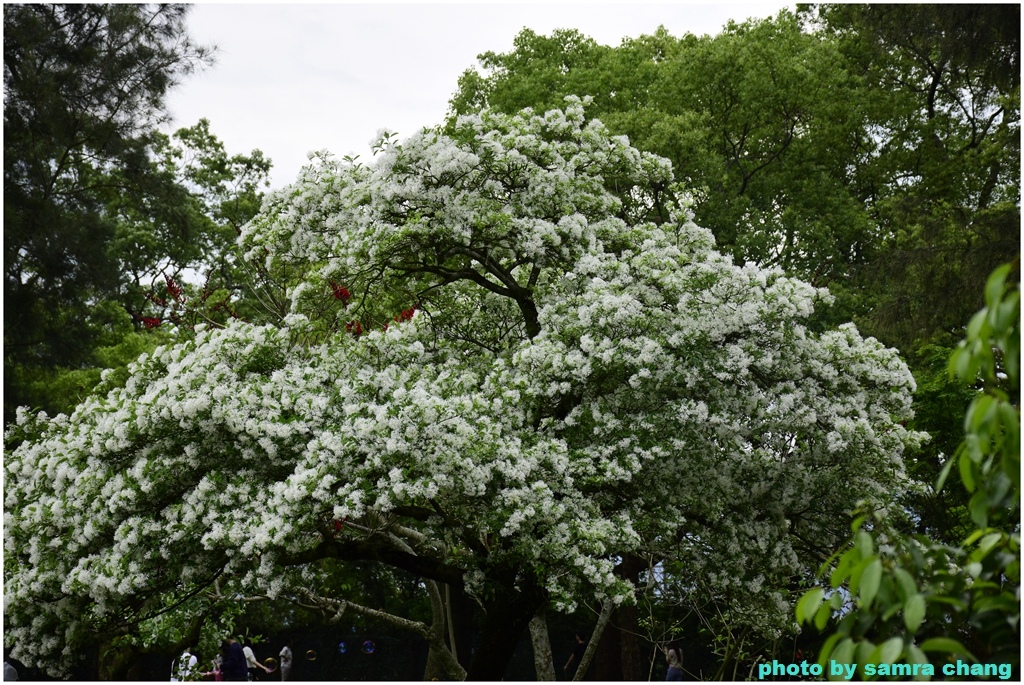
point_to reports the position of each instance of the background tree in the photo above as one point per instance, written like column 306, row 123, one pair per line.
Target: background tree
column 83, row 97
column 940, row 167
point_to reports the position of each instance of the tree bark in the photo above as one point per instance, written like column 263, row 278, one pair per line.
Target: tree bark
column 627, row 623
column 508, row 613
column 542, row 657
column 602, row 620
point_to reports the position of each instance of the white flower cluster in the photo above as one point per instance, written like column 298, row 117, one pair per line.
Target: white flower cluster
column 660, row 400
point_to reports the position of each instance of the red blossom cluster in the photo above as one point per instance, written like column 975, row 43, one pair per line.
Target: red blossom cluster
column 151, row 322
column 174, row 290
column 356, row 328
column 156, row 300
column 340, row 293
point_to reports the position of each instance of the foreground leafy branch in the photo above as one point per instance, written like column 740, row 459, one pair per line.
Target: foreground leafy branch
column 909, row 602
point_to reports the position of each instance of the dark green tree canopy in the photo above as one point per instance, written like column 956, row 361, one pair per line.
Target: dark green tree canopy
column 84, row 89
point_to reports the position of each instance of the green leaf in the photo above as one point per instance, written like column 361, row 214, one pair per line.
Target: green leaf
column 888, row 652
column 891, row 611
column 1005, row 314
column 864, row 651
column 842, row 570
column 905, row 584
column 809, row 604
column 821, row 617
column 914, row 610
column 979, row 508
column 987, row 544
column 870, row 581
column 1003, row 603
column 981, row 412
column 944, row 474
column 995, row 285
column 864, row 544
column 947, row 645
column 855, row 574
column 827, row 649
column 967, row 467
column 843, row 654
column 977, row 327
column 916, row 656
column 951, row 601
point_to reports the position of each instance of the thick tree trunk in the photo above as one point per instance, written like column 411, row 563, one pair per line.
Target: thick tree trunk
column 508, row 614
column 542, row 657
column 633, row 662
column 463, row 611
column 627, row 623
column 608, row 659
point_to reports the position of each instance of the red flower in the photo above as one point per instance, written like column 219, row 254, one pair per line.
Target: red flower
column 150, row 321
column 340, row 293
column 406, row 314
column 173, row 289
column 355, row 328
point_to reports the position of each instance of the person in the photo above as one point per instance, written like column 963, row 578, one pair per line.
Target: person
column 233, row 662
column 576, row 657
column 252, row 666
column 286, row 660
column 214, row 670
column 674, row 657
column 182, row 668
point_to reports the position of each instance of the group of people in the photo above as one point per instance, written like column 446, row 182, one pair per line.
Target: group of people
column 234, row 662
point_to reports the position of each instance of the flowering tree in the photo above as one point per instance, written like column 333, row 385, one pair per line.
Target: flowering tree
column 510, row 359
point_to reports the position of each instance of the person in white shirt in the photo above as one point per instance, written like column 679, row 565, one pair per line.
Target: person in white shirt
column 181, row 671
column 251, row 663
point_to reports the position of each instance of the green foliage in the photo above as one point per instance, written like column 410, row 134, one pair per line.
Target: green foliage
column 105, row 216
column 84, row 87
column 940, row 402
column 914, row 599
column 989, row 460
column 938, row 166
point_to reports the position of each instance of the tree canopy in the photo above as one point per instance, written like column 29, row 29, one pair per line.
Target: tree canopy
column 510, row 358
column 84, row 87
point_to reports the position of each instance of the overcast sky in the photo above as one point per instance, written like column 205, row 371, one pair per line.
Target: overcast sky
column 294, row 78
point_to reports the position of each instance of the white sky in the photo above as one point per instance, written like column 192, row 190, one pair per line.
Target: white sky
column 290, row 79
